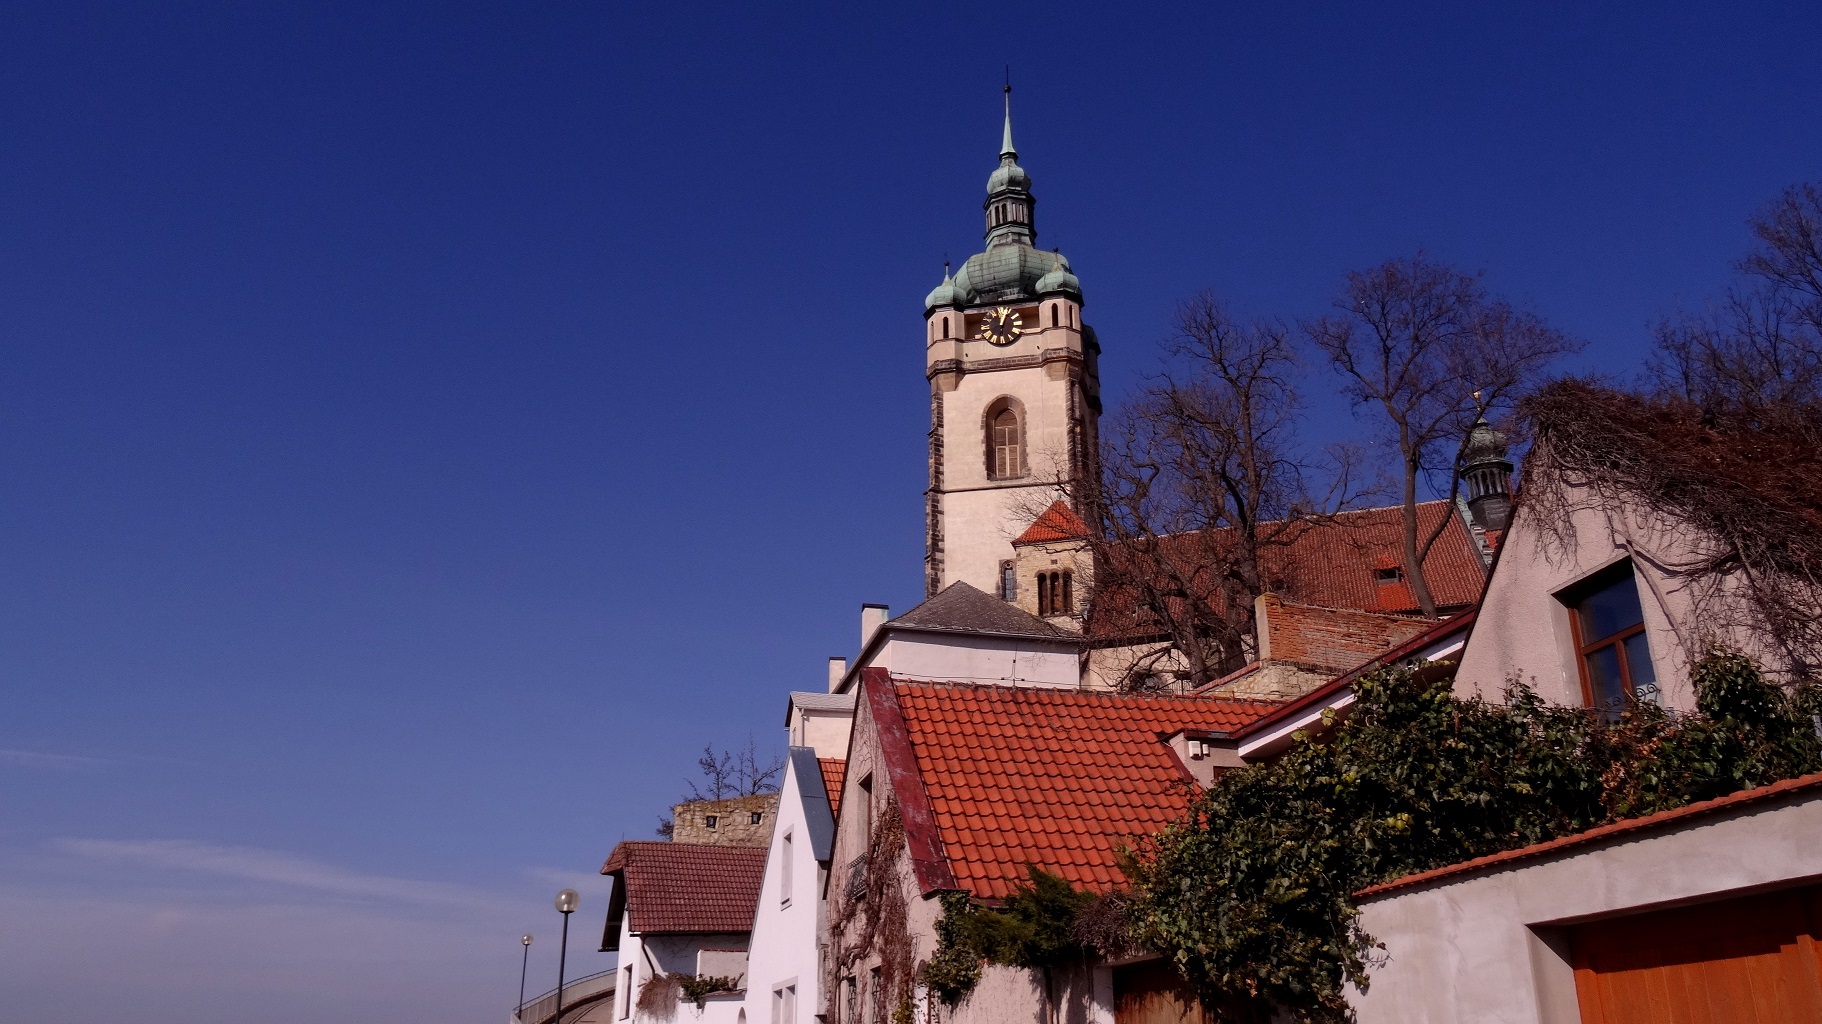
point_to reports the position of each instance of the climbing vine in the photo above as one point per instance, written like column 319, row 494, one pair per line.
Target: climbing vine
column 1251, row 897
column 1037, row 928
column 869, row 919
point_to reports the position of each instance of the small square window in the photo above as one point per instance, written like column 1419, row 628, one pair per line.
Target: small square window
column 756, row 817
column 710, row 821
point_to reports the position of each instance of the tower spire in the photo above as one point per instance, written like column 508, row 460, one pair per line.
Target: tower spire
column 1007, row 153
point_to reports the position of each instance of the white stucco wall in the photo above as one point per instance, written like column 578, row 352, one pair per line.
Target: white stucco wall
column 979, row 659
column 650, row 955
column 1523, row 629
column 786, row 932
column 1489, row 948
column 824, row 731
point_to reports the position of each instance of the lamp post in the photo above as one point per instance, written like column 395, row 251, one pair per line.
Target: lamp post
column 524, row 962
column 566, row 905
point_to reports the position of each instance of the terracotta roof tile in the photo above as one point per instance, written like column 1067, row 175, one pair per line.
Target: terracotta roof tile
column 688, row 887
column 1058, row 522
column 834, row 773
column 1332, row 565
column 1056, row 778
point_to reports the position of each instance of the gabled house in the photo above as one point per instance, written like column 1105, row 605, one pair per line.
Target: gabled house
column 784, row 968
column 681, row 909
column 1643, row 532
column 955, row 787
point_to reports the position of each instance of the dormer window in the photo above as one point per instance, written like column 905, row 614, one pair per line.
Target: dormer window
column 1388, row 574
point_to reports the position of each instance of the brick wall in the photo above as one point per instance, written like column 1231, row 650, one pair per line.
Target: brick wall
column 1331, row 639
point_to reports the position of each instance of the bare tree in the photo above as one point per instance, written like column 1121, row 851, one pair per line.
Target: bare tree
column 1200, row 476
column 728, row 774
column 1759, row 351
column 1426, row 347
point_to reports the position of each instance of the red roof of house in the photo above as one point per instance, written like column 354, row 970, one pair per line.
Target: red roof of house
column 687, row 887
column 1332, row 564
column 1056, row 778
column 1058, row 522
column 834, row 772
column 1609, row 831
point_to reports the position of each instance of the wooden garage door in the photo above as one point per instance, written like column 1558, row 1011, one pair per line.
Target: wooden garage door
column 1746, row 961
column 1152, row 993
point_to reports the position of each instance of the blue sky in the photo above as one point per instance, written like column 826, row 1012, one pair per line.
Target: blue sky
column 423, row 428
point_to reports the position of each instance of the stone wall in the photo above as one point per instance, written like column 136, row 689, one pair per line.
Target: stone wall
column 725, row 822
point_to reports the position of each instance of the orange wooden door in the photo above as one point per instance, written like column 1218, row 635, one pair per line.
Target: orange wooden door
column 1752, row 960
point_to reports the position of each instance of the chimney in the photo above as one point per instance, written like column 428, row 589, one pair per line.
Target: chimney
column 872, row 616
column 838, row 667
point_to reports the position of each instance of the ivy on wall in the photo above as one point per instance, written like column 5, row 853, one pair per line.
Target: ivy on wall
column 1251, row 896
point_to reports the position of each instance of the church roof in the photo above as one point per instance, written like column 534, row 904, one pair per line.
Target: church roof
column 1006, row 273
column 1058, row 522
column 960, row 608
column 1338, row 562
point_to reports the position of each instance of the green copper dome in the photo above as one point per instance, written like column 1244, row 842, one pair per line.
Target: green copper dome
column 943, row 294
column 1060, row 280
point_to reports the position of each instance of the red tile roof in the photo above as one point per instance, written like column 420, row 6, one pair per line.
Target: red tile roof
column 687, row 887
column 1056, row 778
column 834, row 773
column 1618, row 828
column 1330, row 564
column 1058, row 522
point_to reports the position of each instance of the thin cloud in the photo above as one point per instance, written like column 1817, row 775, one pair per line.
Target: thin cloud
column 41, row 761
column 274, row 867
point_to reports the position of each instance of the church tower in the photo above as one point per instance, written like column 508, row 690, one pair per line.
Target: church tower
column 1014, row 393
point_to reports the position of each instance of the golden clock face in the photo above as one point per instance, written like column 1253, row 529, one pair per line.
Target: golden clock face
column 1000, row 326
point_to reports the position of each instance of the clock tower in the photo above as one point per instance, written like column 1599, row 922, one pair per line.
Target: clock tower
column 1014, row 393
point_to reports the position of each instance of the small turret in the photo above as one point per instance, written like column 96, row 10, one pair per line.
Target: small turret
column 1488, row 473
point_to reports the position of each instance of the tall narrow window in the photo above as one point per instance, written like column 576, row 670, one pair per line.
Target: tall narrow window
column 1053, row 314
column 1609, row 627
column 1067, row 586
column 626, row 992
column 866, row 806
column 786, row 864
column 945, row 327
column 1005, row 441
column 1009, row 582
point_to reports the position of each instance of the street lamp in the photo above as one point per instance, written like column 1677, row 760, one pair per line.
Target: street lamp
column 524, row 962
column 566, row 905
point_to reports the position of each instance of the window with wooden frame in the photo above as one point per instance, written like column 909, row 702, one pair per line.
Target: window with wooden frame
column 1608, row 627
column 1005, row 441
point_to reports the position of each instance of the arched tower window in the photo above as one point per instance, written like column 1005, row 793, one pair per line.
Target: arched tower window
column 1005, row 440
